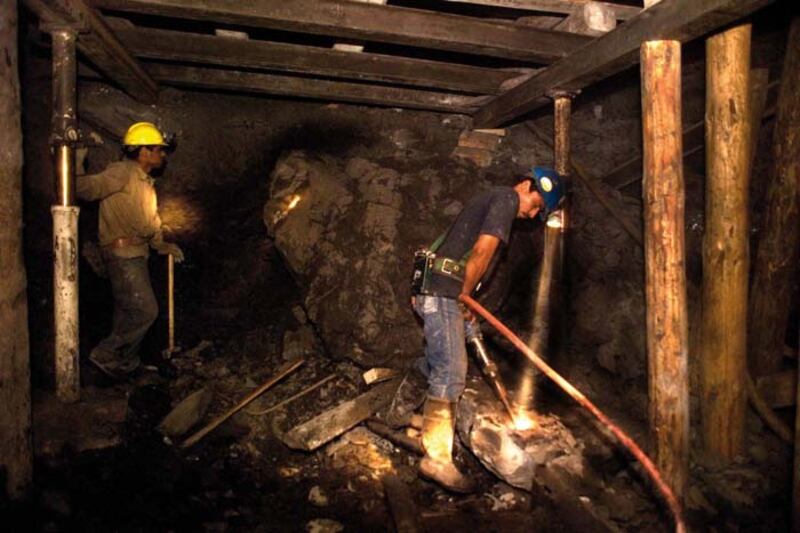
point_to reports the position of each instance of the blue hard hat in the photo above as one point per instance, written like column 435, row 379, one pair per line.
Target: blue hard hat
column 550, row 186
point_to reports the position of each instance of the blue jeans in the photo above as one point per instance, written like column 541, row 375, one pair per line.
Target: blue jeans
column 135, row 310
column 445, row 363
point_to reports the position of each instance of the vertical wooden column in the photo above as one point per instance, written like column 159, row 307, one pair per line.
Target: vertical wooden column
column 562, row 113
column 15, row 396
column 777, row 250
column 796, row 480
column 665, row 276
column 726, row 254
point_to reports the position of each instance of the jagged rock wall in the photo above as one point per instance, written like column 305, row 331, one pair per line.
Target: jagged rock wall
column 340, row 240
column 349, row 241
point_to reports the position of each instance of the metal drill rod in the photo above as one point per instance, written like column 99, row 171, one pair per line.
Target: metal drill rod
column 489, row 369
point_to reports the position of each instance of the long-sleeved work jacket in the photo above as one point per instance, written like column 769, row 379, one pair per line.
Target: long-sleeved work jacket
column 128, row 207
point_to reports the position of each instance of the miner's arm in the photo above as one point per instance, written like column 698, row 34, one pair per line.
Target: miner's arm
column 102, row 185
column 479, row 259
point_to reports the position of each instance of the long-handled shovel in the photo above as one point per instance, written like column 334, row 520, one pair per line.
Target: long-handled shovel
column 171, row 348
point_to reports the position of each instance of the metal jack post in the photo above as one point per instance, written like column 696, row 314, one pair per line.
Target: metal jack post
column 489, row 369
column 65, row 215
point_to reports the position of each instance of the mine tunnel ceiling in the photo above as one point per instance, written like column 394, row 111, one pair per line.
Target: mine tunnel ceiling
column 493, row 59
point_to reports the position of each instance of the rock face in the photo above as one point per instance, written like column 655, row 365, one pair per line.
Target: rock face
column 343, row 242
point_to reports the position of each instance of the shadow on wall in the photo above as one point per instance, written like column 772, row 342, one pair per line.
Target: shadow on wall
column 326, row 138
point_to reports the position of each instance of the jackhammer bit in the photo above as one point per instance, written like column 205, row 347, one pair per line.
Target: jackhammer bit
column 489, row 369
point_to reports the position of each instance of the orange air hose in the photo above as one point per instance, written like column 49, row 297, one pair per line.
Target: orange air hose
column 649, row 467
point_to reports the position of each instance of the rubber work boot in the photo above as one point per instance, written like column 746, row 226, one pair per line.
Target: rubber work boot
column 438, row 430
column 408, row 398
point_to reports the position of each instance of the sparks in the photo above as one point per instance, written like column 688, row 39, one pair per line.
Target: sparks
column 295, row 199
column 523, row 420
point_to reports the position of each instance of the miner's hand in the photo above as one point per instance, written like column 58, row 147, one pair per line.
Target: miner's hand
column 80, row 159
column 466, row 312
column 169, row 248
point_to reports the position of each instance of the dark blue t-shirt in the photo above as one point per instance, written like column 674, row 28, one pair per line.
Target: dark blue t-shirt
column 489, row 213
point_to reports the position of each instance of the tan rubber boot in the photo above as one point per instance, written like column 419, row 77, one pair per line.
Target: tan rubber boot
column 438, row 429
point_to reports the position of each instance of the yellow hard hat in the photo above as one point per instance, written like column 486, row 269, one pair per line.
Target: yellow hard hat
column 143, row 134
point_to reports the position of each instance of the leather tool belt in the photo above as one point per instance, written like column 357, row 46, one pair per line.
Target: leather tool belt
column 448, row 267
column 426, row 263
column 124, row 242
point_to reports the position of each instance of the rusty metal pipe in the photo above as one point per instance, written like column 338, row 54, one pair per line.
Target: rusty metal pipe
column 64, row 120
column 562, row 112
column 649, row 467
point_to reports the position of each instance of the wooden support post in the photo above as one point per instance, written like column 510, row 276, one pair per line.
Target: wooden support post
column 796, row 480
column 777, row 250
column 726, row 255
column 15, row 395
column 665, row 276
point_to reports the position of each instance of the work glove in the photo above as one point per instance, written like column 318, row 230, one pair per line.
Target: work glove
column 170, row 248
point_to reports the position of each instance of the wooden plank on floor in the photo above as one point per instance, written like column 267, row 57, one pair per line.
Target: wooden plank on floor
column 207, row 49
column 680, row 20
column 327, row 426
column 370, row 22
column 359, row 93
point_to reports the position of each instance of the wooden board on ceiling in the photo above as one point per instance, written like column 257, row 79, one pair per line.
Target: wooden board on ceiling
column 247, row 53
column 681, row 20
column 371, row 22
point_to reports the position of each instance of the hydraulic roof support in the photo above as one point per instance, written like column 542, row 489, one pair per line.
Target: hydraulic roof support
column 65, row 215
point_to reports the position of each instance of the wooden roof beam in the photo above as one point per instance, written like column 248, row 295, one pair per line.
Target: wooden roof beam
column 207, row 49
column 681, row 20
column 565, row 7
column 371, row 22
column 270, row 84
column 99, row 44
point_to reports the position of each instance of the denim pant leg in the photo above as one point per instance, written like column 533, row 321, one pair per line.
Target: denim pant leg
column 445, row 352
column 135, row 310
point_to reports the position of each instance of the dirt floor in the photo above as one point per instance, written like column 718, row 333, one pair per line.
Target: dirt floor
column 102, row 465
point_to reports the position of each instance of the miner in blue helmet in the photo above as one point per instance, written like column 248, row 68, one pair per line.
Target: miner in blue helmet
column 454, row 265
column 550, row 187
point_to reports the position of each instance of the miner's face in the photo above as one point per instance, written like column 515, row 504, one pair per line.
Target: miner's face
column 530, row 201
column 153, row 156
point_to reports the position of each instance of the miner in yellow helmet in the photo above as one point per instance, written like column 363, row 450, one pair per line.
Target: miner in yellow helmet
column 129, row 225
